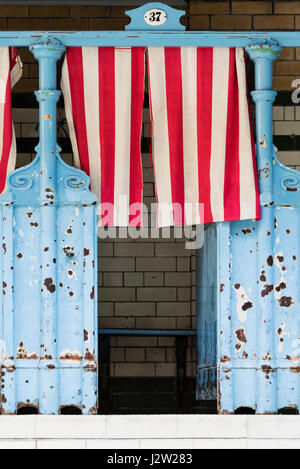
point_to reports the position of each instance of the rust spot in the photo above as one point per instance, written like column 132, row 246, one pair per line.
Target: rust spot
column 245, row 354
column 294, row 358
column 23, row 354
column 263, row 278
column 91, row 368
column 71, row 293
column 46, row 357
column 225, row 359
column 294, row 258
column 270, row 261
column 281, row 286
column 9, row 369
column 237, row 286
column 246, row 231
column 3, row 399
column 280, row 259
column 263, row 143
column 29, row 214
column 92, row 295
column 247, row 305
column 286, row 301
column 267, row 356
column 47, row 117
column 46, row 249
column 268, row 233
column 238, row 346
column 267, row 369
column 19, row 255
column 51, row 367
column 75, row 356
column 86, row 335
column 86, row 252
column 61, row 285
column 89, row 356
column 69, row 230
column 288, row 231
column 292, row 189
column 240, row 333
column 222, row 287
column 267, row 289
column 275, row 223
column 4, row 248
column 295, row 369
column 48, row 282
column 35, row 224
column 34, row 405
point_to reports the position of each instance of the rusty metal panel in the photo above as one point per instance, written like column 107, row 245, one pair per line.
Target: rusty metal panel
column 48, row 362
column 48, row 332
column 206, row 271
column 259, row 345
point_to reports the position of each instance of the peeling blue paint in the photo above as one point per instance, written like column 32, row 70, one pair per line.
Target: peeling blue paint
column 49, row 317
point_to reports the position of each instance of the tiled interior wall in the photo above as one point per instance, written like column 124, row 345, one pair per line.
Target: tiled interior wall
column 286, row 121
column 151, row 283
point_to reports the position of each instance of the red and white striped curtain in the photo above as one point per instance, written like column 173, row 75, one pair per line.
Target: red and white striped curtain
column 203, row 153
column 10, row 73
column 202, row 146
column 104, row 93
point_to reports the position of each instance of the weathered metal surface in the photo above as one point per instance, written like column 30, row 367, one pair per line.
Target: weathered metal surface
column 206, row 299
column 259, row 359
column 48, row 267
column 48, row 263
column 258, row 314
column 158, row 38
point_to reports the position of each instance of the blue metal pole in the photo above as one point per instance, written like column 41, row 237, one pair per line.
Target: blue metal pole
column 153, row 332
column 264, row 96
column 47, row 96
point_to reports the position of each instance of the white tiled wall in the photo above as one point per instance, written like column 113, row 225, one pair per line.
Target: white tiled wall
column 150, row 432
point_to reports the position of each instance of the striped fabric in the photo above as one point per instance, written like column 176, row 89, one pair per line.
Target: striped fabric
column 202, row 146
column 104, row 92
column 10, row 73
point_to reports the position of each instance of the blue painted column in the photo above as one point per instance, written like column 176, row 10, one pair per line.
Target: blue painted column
column 263, row 56
column 263, row 96
column 47, row 55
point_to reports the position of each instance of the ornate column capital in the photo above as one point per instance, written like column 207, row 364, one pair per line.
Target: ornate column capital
column 47, row 48
column 268, row 50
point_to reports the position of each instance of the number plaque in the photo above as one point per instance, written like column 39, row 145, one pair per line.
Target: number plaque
column 155, row 17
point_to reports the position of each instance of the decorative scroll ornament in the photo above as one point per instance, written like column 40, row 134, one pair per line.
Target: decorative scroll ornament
column 290, row 183
column 22, row 182
column 76, row 182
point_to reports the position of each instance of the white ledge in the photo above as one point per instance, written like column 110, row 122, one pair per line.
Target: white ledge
column 150, row 427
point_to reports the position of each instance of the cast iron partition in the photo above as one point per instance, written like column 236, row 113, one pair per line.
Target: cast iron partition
column 48, row 265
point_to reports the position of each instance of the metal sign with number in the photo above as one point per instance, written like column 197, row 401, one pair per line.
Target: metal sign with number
column 155, row 17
